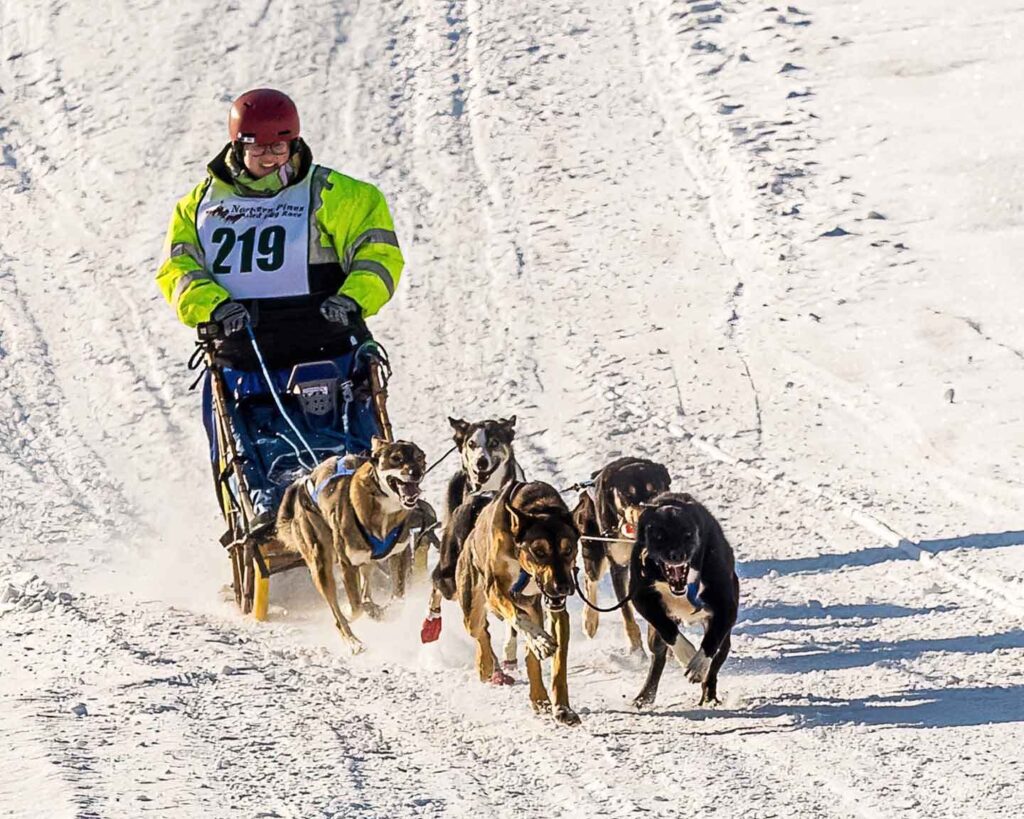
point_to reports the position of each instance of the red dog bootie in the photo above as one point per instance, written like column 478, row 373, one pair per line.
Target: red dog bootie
column 431, row 628
column 499, row 677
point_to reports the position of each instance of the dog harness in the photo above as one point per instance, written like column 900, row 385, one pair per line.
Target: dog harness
column 379, row 547
column 693, row 587
column 340, row 471
column 522, row 581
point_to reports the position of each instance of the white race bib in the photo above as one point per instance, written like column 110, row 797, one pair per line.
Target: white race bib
column 257, row 248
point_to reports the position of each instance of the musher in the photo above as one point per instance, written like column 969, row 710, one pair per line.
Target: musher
column 299, row 252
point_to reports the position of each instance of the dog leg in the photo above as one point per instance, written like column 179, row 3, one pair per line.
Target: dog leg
column 620, row 582
column 372, row 610
column 322, row 573
column 399, row 566
column 539, row 699
column 594, row 563
column 510, row 651
column 709, row 688
column 475, row 619
column 559, row 672
column 659, row 653
column 431, row 628
column 419, row 558
column 350, row 578
column 531, row 627
column 591, row 617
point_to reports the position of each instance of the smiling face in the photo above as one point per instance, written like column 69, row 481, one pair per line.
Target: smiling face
column 485, row 446
column 263, row 160
column 670, row 537
column 400, row 467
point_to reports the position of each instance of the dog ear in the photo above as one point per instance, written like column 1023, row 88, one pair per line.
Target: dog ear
column 515, row 522
column 509, row 423
column 460, row 427
column 376, row 446
column 661, row 477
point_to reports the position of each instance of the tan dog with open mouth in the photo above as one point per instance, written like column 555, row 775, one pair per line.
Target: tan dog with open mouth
column 521, row 549
column 355, row 511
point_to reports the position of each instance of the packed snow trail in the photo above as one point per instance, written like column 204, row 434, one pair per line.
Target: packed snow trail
column 613, row 220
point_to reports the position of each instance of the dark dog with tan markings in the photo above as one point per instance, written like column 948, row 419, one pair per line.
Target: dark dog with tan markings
column 610, row 509
column 352, row 512
column 488, row 463
column 684, row 573
column 522, row 549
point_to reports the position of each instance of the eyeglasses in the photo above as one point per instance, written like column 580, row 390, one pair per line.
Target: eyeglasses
column 276, row 148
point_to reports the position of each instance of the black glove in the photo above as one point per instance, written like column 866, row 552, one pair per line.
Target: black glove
column 340, row 309
column 231, row 316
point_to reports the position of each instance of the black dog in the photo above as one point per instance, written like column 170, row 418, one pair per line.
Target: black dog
column 611, row 509
column 683, row 572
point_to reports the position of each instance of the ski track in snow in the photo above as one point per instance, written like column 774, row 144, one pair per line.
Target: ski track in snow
column 607, row 212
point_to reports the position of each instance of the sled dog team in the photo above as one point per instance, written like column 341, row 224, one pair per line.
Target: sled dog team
column 509, row 548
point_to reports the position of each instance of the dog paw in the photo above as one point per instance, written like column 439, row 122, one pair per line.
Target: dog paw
column 430, row 630
column 543, row 645
column 697, row 668
column 373, row 611
column 564, row 715
column 642, row 701
column 355, row 646
column 541, row 706
column 499, row 677
column 710, row 700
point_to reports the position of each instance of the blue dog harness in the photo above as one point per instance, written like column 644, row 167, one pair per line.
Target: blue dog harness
column 379, row 547
column 693, row 595
column 340, row 471
column 521, row 582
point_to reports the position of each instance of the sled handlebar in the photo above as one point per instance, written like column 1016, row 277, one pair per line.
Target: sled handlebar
column 209, row 330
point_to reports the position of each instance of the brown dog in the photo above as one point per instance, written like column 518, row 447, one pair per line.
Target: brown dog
column 521, row 549
column 353, row 512
column 610, row 509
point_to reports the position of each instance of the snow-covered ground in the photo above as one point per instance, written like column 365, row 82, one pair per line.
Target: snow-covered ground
column 774, row 247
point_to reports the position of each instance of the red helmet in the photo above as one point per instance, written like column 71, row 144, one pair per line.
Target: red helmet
column 263, row 116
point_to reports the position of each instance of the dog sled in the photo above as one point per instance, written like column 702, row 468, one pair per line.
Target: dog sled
column 269, row 427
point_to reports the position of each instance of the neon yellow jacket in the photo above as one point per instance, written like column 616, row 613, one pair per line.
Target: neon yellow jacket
column 352, row 232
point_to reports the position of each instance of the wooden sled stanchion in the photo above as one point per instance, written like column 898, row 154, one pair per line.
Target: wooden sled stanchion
column 379, row 391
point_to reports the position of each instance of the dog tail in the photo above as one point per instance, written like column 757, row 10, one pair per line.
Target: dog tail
column 294, row 500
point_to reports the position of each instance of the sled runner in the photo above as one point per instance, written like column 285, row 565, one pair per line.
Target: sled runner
column 270, row 426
